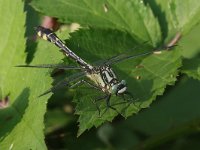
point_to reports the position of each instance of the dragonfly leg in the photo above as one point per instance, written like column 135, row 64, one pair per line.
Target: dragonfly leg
column 109, row 106
column 64, row 83
column 86, row 82
column 99, row 99
column 91, row 85
column 130, row 101
column 129, row 94
column 76, row 84
column 107, row 98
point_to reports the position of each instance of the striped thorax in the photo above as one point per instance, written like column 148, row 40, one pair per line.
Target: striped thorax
column 106, row 79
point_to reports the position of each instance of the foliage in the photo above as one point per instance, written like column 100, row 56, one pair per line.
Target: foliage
column 108, row 28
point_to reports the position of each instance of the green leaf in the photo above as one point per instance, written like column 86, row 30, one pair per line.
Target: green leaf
column 192, row 68
column 21, row 122
column 175, row 16
column 191, row 48
column 190, row 44
column 131, row 16
column 185, row 14
column 106, row 38
column 145, row 82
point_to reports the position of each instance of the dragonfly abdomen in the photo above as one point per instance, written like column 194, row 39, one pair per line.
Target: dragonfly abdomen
column 48, row 34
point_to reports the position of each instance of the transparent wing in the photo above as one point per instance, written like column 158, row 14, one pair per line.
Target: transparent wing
column 119, row 56
column 65, row 82
column 55, row 66
column 124, row 56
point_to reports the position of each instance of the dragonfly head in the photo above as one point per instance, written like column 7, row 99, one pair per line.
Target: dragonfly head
column 119, row 88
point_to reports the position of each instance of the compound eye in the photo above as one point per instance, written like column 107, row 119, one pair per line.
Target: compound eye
column 114, row 89
column 123, row 82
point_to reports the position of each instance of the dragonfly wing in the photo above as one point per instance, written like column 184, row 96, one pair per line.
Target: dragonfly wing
column 65, row 82
column 119, row 56
column 122, row 57
column 55, row 66
column 106, row 61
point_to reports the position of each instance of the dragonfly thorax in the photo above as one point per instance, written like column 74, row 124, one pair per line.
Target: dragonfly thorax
column 105, row 78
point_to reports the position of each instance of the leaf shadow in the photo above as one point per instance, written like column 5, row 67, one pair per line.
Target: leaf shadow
column 161, row 15
column 32, row 20
column 12, row 115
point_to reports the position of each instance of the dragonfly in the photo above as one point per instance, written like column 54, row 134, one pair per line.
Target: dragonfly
column 101, row 77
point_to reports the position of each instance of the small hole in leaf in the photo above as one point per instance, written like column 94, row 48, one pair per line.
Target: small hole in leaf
column 138, row 77
column 105, row 7
column 157, row 52
column 4, row 103
column 172, row 76
column 11, row 146
column 141, row 1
